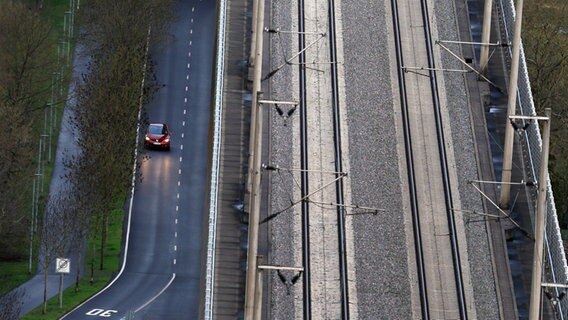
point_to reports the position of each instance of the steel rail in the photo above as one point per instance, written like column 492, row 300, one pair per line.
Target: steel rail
column 444, row 165
column 343, row 276
column 306, row 293
column 409, row 166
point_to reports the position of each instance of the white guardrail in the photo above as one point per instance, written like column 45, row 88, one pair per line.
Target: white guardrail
column 557, row 270
column 211, row 239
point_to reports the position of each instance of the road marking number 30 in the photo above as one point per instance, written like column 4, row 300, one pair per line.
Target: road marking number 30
column 101, row 313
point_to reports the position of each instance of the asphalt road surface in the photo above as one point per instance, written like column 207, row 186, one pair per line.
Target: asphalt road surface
column 162, row 274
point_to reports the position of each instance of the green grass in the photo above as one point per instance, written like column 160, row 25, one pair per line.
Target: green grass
column 12, row 275
column 70, row 299
column 564, row 234
column 101, row 277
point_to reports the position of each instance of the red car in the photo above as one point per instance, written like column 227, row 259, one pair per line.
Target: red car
column 157, row 136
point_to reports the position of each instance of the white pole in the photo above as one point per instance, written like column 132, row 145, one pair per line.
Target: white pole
column 254, row 170
column 258, row 295
column 540, row 222
column 32, row 226
column 511, row 107
column 60, row 290
column 485, row 36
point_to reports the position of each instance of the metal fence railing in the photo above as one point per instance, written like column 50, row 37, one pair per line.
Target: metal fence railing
column 556, row 268
column 213, row 205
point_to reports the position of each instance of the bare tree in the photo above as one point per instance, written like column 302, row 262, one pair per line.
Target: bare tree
column 108, row 102
column 546, row 46
column 57, row 234
column 26, row 55
column 110, row 24
column 25, row 70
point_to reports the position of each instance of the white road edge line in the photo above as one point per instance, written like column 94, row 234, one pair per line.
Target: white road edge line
column 159, row 293
column 133, row 184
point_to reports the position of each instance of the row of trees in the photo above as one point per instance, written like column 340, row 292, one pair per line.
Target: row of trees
column 117, row 35
column 26, row 65
column 118, row 81
column 105, row 114
column 545, row 40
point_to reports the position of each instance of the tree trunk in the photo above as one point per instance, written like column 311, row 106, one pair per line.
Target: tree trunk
column 93, row 262
column 104, row 236
column 45, row 272
column 77, row 276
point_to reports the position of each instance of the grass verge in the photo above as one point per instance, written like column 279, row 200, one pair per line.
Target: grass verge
column 101, row 278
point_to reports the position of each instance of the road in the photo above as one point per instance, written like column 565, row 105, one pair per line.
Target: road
column 161, row 276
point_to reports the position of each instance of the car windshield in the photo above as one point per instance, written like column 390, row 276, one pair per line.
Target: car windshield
column 157, row 129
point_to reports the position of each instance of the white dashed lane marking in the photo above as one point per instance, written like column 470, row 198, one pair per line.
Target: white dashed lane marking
column 182, row 134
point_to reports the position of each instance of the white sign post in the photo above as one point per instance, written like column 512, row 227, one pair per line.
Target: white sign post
column 62, row 266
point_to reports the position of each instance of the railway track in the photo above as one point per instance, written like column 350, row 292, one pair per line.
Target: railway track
column 319, row 223
column 325, row 277
column 435, row 237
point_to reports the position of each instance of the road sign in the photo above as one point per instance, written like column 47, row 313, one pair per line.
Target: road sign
column 62, row 265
